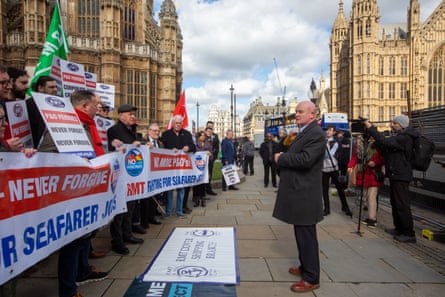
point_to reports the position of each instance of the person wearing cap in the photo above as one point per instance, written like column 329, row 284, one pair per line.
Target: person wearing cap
column 121, row 226
column 397, row 152
column 103, row 110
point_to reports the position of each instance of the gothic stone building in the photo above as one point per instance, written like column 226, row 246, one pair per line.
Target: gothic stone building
column 119, row 40
column 381, row 70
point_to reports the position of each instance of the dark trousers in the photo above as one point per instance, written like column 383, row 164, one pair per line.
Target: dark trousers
column 272, row 167
column 73, row 264
column 120, row 227
column 333, row 176
column 307, row 244
column 186, row 198
column 148, row 210
column 248, row 163
column 208, row 186
column 401, row 209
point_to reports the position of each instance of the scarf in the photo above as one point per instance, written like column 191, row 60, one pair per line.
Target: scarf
column 96, row 141
column 362, row 155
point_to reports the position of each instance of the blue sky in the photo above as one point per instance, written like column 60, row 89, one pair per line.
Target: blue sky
column 235, row 42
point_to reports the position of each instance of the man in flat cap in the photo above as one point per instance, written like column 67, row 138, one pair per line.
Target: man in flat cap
column 397, row 152
column 125, row 131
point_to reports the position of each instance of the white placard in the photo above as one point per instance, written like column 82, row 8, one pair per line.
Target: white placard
column 64, row 125
column 196, row 255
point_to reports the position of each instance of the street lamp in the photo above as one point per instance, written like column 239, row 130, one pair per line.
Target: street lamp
column 234, row 112
column 231, row 105
column 197, row 116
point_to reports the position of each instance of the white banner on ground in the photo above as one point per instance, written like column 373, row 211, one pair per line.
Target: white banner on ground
column 64, row 126
column 18, row 121
column 196, row 255
column 148, row 172
column 49, row 200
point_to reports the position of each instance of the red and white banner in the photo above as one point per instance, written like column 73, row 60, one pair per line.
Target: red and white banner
column 49, row 200
column 64, row 125
column 147, row 172
column 102, row 126
column 18, row 121
column 106, row 94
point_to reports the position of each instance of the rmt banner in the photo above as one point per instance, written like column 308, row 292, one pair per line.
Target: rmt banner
column 147, row 172
column 51, row 199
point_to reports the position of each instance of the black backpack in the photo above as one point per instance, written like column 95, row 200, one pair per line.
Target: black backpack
column 423, row 151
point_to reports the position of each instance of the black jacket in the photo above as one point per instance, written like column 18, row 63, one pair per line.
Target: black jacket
column 264, row 151
column 121, row 132
column 397, row 152
column 184, row 138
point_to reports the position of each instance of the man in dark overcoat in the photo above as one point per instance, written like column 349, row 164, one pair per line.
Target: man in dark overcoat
column 299, row 199
column 121, row 226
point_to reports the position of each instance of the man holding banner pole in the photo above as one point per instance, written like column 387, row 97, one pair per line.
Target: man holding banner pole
column 121, row 226
column 73, row 266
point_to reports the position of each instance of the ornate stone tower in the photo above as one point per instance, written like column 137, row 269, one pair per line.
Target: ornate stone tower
column 381, row 70
column 339, row 48
column 170, row 59
column 119, row 40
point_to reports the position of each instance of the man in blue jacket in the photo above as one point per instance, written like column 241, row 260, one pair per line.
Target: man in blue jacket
column 228, row 156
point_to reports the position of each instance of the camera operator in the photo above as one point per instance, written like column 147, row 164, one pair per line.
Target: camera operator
column 398, row 151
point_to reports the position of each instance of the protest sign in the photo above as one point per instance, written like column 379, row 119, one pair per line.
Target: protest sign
column 64, row 126
column 106, row 93
column 19, row 122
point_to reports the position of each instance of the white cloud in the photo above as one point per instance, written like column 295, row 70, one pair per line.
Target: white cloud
column 234, row 42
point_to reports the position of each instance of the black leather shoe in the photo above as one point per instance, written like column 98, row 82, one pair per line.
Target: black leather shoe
column 187, row 210
column 138, row 229
column 120, row 249
column 233, row 188
column 224, row 189
column 405, row 238
column 155, row 222
column 326, row 212
column 133, row 239
column 212, row 193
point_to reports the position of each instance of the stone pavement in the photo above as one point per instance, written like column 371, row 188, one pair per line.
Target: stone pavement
column 372, row 264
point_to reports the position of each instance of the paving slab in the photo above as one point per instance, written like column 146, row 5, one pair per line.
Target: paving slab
column 254, row 270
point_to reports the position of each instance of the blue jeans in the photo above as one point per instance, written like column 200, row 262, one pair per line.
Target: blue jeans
column 179, row 200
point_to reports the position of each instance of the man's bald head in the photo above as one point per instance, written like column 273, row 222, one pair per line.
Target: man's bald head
column 305, row 112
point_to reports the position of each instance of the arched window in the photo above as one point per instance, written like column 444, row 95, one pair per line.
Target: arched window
column 436, row 78
column 368, row 27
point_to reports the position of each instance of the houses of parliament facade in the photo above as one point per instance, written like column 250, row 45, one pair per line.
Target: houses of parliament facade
column 381, row 70
column 119, row 40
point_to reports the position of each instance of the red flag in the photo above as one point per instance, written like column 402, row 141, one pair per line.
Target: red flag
column 181, row 110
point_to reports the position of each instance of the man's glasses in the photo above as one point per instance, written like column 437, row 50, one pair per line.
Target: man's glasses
column 5, row 82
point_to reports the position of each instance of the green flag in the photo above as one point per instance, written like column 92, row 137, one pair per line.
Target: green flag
column 55, row 45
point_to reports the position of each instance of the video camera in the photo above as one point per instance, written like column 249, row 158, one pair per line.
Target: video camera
column 358, row 126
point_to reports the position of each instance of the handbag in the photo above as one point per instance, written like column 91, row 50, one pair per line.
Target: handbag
column 379, row 176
